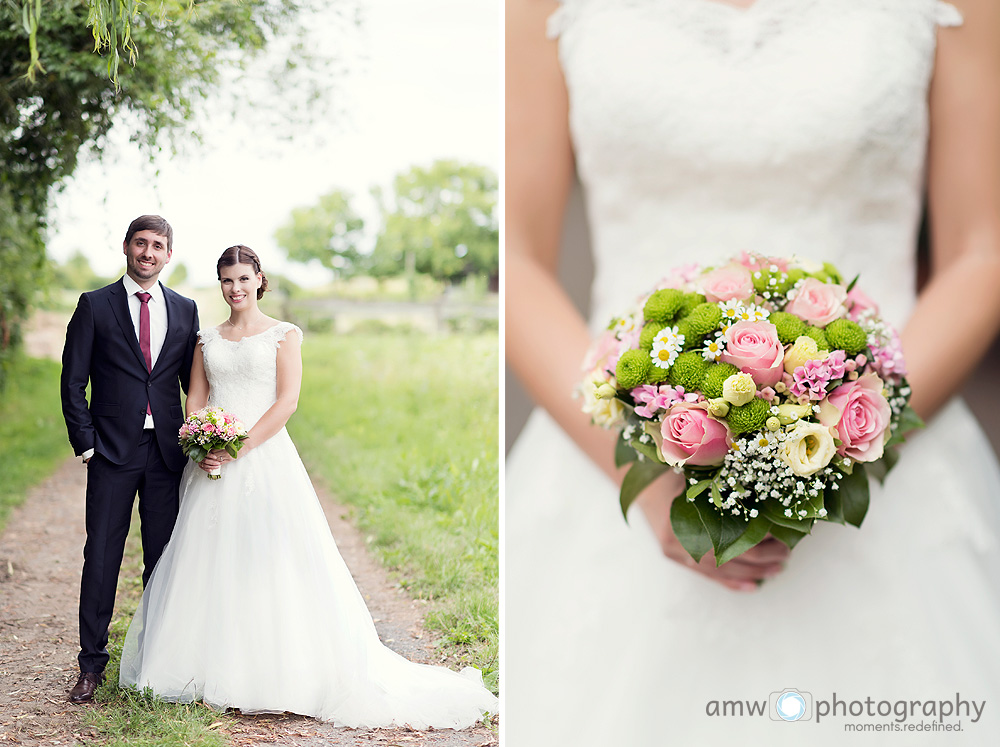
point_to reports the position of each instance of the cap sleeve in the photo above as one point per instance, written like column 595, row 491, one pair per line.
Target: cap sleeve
column 282, row 329
column 946, row 14
column 559, row 20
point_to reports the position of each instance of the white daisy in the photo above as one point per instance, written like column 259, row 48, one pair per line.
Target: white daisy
column 714, row 349
column 666, row 350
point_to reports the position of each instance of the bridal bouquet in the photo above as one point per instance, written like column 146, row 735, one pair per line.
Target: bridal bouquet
column 771, row 383
column 209, row 429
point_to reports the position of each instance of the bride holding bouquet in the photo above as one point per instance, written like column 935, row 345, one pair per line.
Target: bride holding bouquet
column 701, row 129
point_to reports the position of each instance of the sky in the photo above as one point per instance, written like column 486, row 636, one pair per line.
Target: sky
column 422, row 82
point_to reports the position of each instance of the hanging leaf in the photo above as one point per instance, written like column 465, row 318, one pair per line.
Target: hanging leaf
column 790, row 537
column 751, row 533
column 689, row 528
column 854, row 495
column 623, row 452
column 639, row 476
column 834, row 506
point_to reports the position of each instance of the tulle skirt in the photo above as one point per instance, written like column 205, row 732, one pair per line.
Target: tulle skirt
column 627, row 647
column 252, row 607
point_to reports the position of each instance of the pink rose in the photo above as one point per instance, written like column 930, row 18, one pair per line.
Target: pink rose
column 726, row 283
column 818, row 303
column 859, row 303
column 754, row 348
column 861, row 416
column 692, row 436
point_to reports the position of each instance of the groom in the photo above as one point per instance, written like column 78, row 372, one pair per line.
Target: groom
column 133, row 342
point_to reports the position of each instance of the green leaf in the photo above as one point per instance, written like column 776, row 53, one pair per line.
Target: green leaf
column 850, row 286
column 639, row 476
column 624, row 453
column 812, row 506
column 790, row 537
column 774, row 511
column 689, row 527
column 854, row 494
column 753, row 532
column 716, row 494
column 834, row 505
column 647, row 450
column 232, row 449
column 697, row 489
column 909, row 420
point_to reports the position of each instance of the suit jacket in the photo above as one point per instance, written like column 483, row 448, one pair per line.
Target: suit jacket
column 102, row 348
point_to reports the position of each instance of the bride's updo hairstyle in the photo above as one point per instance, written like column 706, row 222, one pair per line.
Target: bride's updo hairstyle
column 242, row 255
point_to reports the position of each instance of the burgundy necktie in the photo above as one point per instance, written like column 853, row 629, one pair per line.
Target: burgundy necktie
column 147, row 351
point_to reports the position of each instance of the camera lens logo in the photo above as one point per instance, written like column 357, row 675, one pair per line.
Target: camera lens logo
column 791, row 705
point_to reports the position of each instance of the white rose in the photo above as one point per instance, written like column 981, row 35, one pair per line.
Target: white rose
column 804, row 349
column 607, row 413
column 739, row 389
column 807, row 448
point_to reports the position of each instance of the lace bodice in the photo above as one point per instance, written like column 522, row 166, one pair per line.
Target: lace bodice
column 242, row 376
column 791, row 127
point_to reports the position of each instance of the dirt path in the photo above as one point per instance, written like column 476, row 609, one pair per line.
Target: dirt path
column 40, row 560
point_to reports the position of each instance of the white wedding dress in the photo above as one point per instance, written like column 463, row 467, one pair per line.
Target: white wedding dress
column 700, row 130
column 252, row 607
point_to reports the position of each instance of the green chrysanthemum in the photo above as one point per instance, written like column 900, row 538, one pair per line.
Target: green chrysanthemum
column 711, row 385
column 846, row 335
column 662, row 306
column 794, row 276
column 657, row 375
column 691, row 300
column 704, row 318
column 688, row 371
column 831, row 270
column 817, row 334
column 648, row 333
column 748, row 417
column 632, row 368
column 789, row 326
column 692, row 339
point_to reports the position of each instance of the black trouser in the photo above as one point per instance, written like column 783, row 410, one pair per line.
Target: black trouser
column 111, row 490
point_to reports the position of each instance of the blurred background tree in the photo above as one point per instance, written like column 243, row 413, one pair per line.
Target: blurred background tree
column 445, row 218
column 58, row 97
column 328, row 232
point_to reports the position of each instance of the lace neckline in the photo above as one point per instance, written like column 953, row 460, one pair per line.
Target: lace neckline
column 218, row 334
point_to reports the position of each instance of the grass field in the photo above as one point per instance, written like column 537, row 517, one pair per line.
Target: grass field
column 33, row 437
column 405, row 430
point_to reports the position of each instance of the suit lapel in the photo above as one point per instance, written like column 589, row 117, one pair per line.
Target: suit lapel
column 119, row 305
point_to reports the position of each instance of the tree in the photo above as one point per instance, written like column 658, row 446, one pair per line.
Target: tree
column 56, row 99
column 328, row 231
column 445, row 218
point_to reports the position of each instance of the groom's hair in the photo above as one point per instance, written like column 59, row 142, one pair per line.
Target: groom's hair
column 153, row 223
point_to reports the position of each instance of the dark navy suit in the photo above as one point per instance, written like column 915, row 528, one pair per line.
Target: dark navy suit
column 102, row 350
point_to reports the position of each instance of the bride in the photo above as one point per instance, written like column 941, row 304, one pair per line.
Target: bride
column 699, row 129
column 250, row 605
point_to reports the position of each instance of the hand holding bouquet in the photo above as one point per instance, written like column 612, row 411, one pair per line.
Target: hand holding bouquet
column 209, row 429
column 774, row 386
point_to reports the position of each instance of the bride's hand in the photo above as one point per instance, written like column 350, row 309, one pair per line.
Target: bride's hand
column 215, row 459
column 740, row 574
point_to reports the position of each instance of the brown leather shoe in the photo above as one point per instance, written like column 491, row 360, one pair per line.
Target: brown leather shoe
column 83, row 690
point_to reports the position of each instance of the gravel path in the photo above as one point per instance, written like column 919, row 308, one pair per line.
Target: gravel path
column 40, row 561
